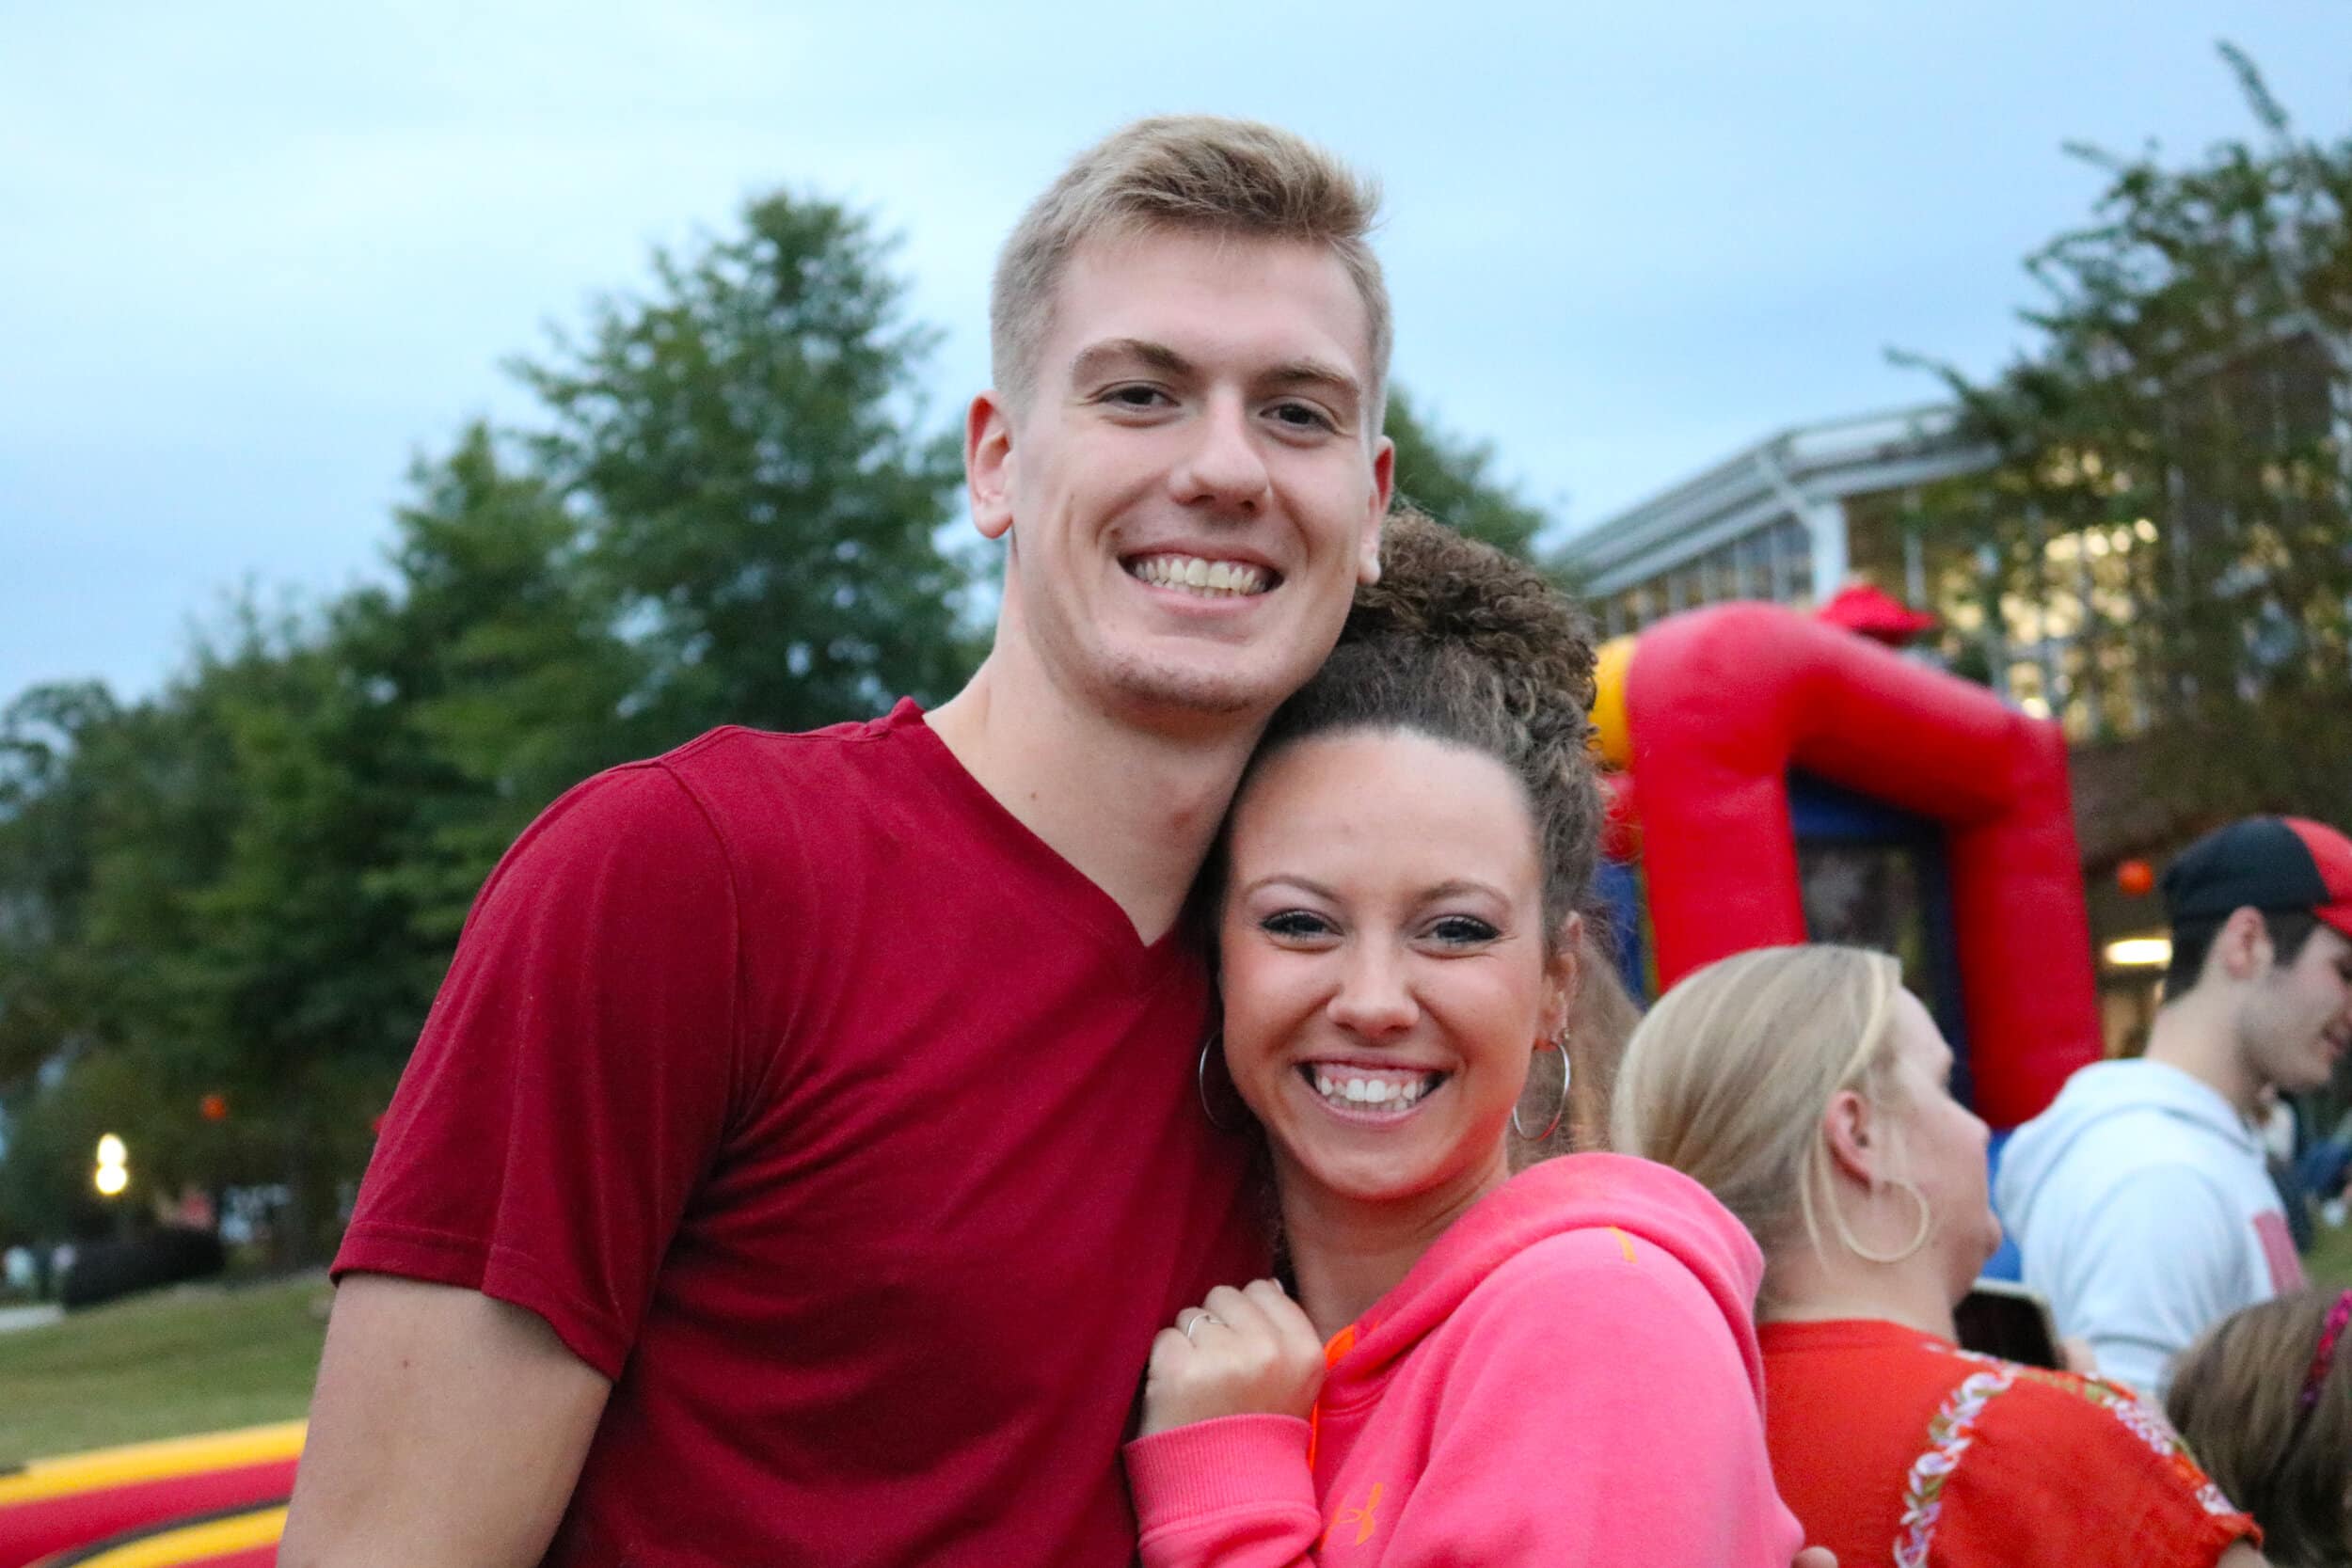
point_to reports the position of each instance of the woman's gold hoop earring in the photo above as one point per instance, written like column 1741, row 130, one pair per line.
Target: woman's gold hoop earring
column 1918, row 1238
column 1567, row 1069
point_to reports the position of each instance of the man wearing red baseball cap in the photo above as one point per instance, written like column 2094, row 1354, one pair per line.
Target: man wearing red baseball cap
column 2140, row 1200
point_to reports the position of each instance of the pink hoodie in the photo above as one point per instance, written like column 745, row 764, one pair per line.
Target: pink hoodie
column 1570, row 1376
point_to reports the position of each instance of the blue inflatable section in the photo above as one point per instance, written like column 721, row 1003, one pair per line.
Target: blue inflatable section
column 1617, row 892
column 2005, row 1263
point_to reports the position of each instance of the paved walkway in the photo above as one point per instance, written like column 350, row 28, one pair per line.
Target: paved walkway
column 29, row 1317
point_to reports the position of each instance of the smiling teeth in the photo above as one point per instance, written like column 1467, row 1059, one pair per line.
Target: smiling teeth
column 1211, row 578
column 1377, row 1093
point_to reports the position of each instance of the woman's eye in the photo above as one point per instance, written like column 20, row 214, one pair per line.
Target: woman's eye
column 1462, row 930
column 1294, row 924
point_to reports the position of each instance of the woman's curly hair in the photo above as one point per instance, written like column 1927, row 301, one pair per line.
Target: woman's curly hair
column 1461, row 643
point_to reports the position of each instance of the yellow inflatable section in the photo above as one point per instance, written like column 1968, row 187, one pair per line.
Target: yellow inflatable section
column 1612, row 737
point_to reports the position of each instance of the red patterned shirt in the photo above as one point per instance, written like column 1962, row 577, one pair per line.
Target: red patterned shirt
column 1894, row 1446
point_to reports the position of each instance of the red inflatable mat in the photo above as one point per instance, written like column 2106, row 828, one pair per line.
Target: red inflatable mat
column 54, row 1505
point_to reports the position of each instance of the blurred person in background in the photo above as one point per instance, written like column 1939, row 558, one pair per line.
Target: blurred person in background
column 1469, row 1367
column 1810, row 1092
column 2265, row 1401
column 2141, row 1199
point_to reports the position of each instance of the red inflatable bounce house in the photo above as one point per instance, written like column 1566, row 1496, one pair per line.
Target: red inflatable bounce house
column 1766, row 763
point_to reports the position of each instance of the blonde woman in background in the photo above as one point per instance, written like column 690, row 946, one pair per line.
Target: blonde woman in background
column 1811, row 1093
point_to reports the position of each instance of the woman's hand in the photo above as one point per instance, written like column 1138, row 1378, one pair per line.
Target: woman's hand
column 1250, row 1352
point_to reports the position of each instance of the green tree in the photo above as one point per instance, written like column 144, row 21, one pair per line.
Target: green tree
column 47, row 837
column 1453, row 477
column 743, row 447
column 497, row 650
column 282, row 974
column 143, row 968
column 2175, row 499
column 248, row 884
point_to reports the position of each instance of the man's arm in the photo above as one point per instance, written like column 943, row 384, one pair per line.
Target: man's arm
column 573, row 1082
column 448, row 1428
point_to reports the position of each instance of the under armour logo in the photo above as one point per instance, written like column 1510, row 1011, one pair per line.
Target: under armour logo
column 1360, row 1518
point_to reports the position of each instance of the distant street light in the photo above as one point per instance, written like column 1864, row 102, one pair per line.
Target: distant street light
column 114, row 1167
column 2140, row 952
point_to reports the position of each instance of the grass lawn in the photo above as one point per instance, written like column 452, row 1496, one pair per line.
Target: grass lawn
column 194, row 1360
column 204, row 1358
column 2329, row 1261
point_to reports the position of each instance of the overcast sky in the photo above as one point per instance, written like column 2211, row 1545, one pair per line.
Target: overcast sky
column 256, row 258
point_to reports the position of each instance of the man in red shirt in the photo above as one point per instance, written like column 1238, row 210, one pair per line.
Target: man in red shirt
column 804, row 1146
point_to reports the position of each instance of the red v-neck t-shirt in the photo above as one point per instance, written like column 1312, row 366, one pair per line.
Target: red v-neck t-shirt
column 844, row 1125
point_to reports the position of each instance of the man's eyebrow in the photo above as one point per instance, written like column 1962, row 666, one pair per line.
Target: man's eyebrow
column 1100, row 359
column 1103, row 359
column 1317, row 373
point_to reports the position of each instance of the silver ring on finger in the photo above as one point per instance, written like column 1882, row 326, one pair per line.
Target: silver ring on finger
column 1199, row 1318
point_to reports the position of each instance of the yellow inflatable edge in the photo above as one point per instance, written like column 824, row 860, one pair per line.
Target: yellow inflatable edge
column 100, row 1469
column 193, row 1544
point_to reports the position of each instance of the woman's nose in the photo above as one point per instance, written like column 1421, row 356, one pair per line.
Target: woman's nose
column 1374, row 998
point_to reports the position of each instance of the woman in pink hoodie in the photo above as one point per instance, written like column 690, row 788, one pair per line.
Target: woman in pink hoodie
column 1471, row 1367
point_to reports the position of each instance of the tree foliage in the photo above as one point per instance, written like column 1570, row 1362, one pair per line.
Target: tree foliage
column 247, row 886
column 2168, row 533
column 1453, row 479
column 741, row 449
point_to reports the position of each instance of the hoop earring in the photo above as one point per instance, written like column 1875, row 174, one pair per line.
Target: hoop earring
column 1200, row 1079
column 1568, row 1071
column 1918, row 1237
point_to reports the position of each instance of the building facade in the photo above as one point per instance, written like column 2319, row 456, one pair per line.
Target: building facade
column 2060, row 622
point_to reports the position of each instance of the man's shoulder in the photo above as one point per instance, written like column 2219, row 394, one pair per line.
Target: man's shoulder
column 728, row 796
column 737, row 773
column 2149, row 1158
column 2151, row 1134
column 732, row 751
column 2122, row 1116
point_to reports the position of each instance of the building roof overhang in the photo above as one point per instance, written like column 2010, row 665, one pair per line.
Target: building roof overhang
column 1804, row 465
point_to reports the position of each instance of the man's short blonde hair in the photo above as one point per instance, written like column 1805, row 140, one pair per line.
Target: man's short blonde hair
column 1195, row 173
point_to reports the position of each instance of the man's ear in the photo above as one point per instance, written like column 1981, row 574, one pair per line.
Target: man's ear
column 2243, row 944
column 1849, row 1125
column 1383, row 490
column 988, row 464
